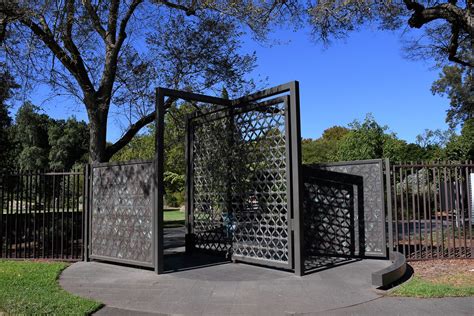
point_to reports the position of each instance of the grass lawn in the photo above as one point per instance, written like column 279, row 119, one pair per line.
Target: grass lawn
column 439, row 278
column 173, row 218
column 31, row 288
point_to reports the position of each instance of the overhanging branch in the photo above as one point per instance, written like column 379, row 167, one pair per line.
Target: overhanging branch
column 133, row 130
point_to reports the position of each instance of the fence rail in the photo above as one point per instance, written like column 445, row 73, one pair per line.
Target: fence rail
column 41, row 215
column 432, row 210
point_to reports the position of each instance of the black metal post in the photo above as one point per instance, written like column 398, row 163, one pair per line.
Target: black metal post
column 298, row 221
column 159, row 185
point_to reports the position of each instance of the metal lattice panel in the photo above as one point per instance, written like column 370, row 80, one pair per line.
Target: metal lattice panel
column 329, row 218
column 210, row 186
column 239, row 183
column 370, row 240
column 260, row 197
column 122, row 212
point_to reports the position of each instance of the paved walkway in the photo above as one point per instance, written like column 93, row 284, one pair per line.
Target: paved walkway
column 240, row 289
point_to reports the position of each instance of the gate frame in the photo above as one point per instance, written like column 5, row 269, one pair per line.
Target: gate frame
column 295, row 221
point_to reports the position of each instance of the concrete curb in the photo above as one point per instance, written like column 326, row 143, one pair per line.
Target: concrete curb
column 392, row 273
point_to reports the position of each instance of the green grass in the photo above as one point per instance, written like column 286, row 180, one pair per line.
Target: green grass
column 419, row 287
column 31, row 288
column 173, row 218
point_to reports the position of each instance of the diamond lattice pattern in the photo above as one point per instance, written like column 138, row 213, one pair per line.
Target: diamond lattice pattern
column 121, row 225
column 329, row 218
column 240, row 184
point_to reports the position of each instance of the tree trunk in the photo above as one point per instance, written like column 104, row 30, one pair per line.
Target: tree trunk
column 98, row 132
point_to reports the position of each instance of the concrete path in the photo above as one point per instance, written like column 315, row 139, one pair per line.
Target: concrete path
column 451, row 306
column 223, row 289
column 240, row 289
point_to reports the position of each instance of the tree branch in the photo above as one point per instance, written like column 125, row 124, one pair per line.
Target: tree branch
column 95, row 19
column 111, row 60
column 69, row 43
column 447, row 11
column 112, row 23
column 44, row 33
column 453, row 48
column 133, row 130
column 123, row 24
column 188, row 10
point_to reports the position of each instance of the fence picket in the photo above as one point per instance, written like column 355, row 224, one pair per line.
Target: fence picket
column 443, row 229
column 40, row 215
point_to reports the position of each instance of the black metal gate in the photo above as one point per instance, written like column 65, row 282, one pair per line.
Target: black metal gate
column 243, row 169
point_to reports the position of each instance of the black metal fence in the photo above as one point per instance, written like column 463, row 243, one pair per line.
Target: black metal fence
column 432, row 207
column 42, row 215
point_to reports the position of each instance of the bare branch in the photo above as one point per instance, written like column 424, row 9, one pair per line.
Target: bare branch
column 123, row 24
column 44, row 33
column 112, row 23
column 446, row 11
column 453, row 48
column 110, row 69
column 133, row 130
column 95, row 19
column 188, row 10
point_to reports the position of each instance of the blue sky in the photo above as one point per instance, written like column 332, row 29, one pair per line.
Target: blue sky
column 365, row 73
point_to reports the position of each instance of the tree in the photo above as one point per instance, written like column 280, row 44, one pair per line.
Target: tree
column 7, row 86
column 456, row 83
column 110, row 55
column 448, row 25
column 40, row 142
column 461, row 147
column 323, row 149
column 364, row 141
column 31, row 137
column 69, row 143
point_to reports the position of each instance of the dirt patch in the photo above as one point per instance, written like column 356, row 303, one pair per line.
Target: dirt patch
column 456, row 272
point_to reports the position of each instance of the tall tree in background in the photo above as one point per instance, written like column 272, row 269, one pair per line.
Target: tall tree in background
column 31, row 137
column 7, row 87
column 69, row 141
column 369, row 140
column 456, row 83
column 40, row 142
column 110, row 55
column 324, row 149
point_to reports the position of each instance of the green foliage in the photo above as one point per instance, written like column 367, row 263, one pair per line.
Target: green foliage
column 141, row 147
column 44, row 143
column 31, row 137
column 364, row 141
column 456, row 82
column 323, row 149
column 7, row 86
column 369, row 140
column 461, row 147
column 31, row 288
column 69, row 141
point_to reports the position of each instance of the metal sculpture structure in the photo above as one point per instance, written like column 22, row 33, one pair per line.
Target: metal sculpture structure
column 243, row 169
column 245, row 193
